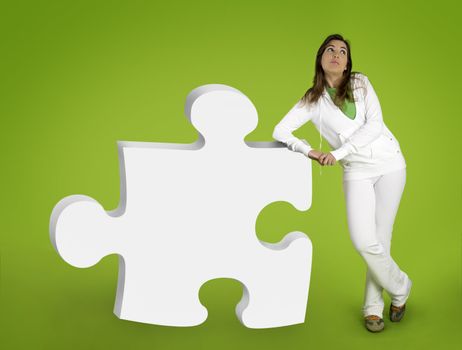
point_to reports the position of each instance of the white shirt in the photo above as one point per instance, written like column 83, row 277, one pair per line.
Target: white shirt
column 363, row 146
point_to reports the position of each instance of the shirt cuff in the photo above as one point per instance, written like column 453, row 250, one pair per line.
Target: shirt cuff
column 340, row 153
column 303, row 147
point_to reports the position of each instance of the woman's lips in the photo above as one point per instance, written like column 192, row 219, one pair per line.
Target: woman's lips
column 334, row 62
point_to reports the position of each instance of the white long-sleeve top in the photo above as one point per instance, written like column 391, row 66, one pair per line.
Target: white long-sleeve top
column 363, row 146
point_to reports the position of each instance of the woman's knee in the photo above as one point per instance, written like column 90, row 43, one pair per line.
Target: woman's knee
column 370, row 248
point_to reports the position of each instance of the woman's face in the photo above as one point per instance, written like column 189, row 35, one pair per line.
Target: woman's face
column 334, row 58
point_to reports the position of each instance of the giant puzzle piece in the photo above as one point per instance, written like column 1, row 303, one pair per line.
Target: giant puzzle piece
column 187, row 215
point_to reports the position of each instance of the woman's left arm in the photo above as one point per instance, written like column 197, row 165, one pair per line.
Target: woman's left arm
column 369, row 131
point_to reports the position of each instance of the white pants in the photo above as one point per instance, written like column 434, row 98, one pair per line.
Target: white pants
column 372, row 205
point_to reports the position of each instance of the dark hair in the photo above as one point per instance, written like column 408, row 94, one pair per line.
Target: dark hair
column 344, row 90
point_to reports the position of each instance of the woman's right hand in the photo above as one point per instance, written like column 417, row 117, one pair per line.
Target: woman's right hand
column 313, row 154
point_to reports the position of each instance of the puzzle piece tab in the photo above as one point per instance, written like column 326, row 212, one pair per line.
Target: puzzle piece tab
column 187, row 215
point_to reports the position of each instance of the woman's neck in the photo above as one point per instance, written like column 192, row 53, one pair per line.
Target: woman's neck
column 333, row 81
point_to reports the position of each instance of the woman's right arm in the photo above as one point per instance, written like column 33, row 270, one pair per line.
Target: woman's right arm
column 294, row 119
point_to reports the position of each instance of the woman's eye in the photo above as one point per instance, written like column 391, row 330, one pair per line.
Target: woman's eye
column 329, row 48
column 343, row 51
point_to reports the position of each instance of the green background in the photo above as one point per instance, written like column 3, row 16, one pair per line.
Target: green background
column 76, row 76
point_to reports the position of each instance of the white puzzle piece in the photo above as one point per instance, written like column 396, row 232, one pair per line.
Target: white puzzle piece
column 187, row 215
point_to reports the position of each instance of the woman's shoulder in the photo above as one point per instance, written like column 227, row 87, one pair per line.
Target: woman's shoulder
column 358, row 77
column 304, row 103
column 359, row 82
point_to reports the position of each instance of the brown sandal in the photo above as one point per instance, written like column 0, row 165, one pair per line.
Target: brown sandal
column 374, row 323
column 397, row 312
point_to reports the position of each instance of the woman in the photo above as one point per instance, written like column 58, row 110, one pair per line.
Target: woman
column 345, row 109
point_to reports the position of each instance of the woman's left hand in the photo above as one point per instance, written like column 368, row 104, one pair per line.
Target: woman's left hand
column 327, row 159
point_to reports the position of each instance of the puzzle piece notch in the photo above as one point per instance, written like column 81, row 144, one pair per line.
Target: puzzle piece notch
column 85, row 244
column 227, row 123
column 162, row 268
